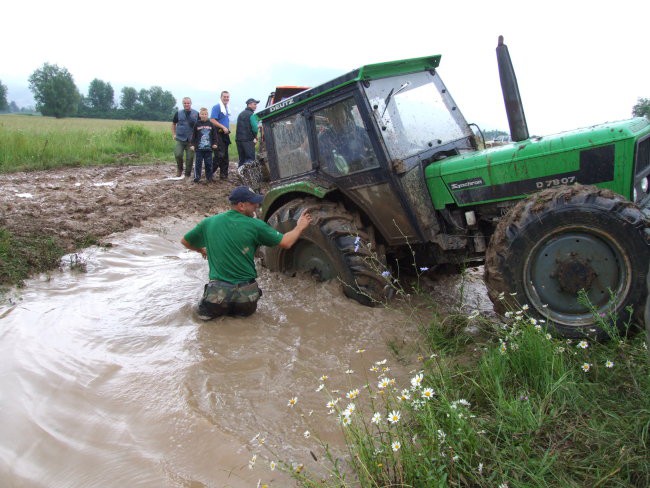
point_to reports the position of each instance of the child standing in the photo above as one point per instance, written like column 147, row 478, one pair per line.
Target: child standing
column 204, row 140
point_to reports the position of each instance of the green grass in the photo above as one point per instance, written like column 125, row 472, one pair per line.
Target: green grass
column 36, row 143
column 21, row 257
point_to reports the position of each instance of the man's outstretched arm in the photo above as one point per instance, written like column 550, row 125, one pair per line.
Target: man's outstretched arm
column 290, row 238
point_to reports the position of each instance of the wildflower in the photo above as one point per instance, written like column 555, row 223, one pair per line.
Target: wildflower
column 382, row 362
column 548, row 337
column 585, row 367
column 538, row 327
column 374, row 369
column 441, row 435
column 473, row 315
column 349, row 409
column 332, row 403
column 396, row 445
column 360, row 351
column 272, row 465
column 352, row 394
column 385, row 274
column 503, row 348
column 424, row 268
column 394, row 417
column 383, row 383
column 508, row 314
column 501, row 296
column 320, row 387
column 428, row 393
column 404, row 396
column 324, row 377
column 533, row 321
column 292, row 401
column 298, row 468
column 376, row 418
column 345, row 419
column 525, row 307
column 416, row 381
column 462, row 402
column 583, row 344
column 306, row 434
column 560, row 349
column 609, row 364
column 251, row 462
column 480, row 468
column 349, row 371
column 420, row 358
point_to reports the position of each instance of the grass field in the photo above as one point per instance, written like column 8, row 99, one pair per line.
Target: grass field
column 36, row 143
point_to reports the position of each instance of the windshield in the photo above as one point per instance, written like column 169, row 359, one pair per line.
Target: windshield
column 414, row 114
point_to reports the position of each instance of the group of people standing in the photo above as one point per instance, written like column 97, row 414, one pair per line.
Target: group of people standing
column 203, row 141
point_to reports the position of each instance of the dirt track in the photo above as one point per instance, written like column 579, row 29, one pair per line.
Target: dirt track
column 77, row 205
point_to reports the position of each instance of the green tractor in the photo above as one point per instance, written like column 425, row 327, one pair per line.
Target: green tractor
column 392, row 172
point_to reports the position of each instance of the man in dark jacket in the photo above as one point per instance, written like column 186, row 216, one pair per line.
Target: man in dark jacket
column 182, row 127
column 246, row 135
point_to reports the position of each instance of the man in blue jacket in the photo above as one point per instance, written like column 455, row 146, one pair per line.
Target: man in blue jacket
column 220, row 118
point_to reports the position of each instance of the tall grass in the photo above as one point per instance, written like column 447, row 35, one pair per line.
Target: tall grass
column 35, row 143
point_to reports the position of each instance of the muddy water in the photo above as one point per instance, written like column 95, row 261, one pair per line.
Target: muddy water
column 108, row 379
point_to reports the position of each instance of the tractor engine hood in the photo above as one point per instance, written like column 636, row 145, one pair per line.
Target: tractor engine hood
column 587, row 156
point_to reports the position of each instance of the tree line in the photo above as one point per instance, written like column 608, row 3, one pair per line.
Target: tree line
column 57, row 95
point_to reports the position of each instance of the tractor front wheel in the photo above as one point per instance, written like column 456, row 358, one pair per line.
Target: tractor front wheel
column 563, row 242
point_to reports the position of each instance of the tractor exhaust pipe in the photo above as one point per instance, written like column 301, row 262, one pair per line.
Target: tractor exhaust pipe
column 511, row 97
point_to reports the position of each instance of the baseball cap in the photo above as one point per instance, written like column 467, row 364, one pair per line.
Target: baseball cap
column 252, row 100
column 245, row 194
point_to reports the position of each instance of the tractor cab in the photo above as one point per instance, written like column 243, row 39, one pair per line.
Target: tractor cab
column 369, row 134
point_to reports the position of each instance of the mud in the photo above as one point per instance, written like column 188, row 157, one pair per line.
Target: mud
column 84, row 205
column 108, row 377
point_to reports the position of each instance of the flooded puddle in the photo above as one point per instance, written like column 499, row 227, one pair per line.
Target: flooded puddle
column 108, row 379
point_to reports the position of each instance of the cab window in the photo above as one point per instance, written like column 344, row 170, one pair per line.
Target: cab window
column 343, row 143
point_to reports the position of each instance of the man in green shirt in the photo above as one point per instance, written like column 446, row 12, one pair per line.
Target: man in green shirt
column 229, row 241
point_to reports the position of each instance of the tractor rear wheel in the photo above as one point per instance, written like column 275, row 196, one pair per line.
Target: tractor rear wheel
column 334, row 246
column 561, row 241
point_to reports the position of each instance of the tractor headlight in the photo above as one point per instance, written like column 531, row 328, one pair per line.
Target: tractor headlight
column 644, row 185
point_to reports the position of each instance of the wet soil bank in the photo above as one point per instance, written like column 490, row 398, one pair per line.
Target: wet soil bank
column 75, row 207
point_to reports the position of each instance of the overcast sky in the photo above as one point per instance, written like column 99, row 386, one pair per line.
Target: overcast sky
column 578, row 62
